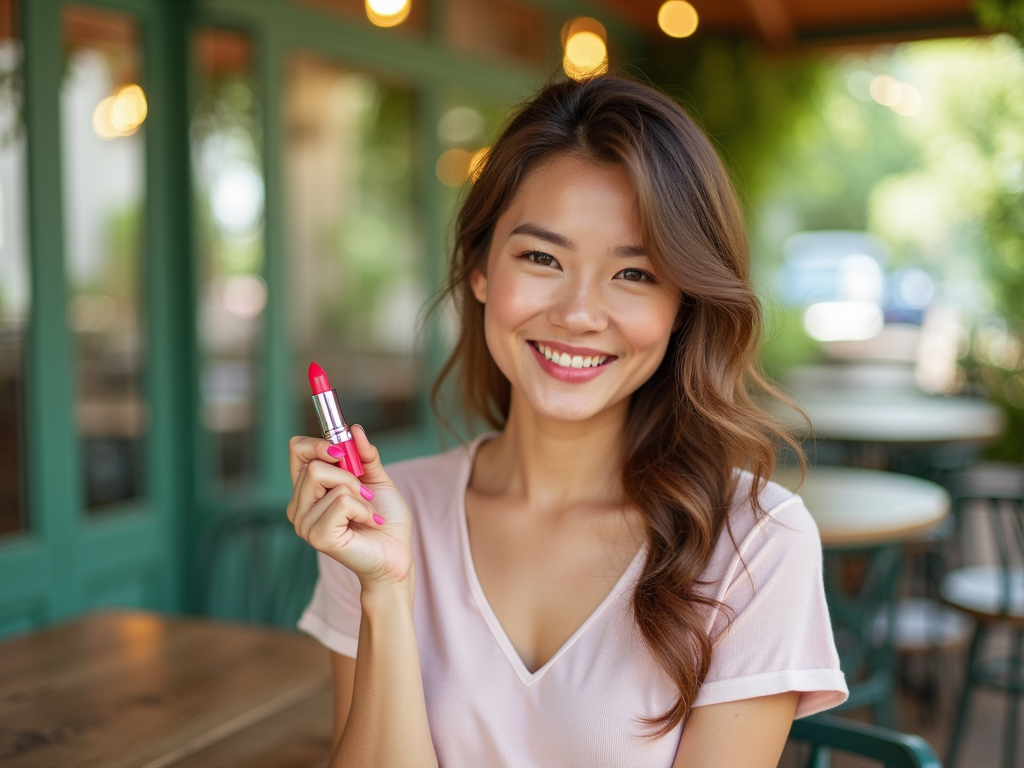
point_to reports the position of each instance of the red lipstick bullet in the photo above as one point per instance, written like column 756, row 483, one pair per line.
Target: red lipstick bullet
column 332, row 420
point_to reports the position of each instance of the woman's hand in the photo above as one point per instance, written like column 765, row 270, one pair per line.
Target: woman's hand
column 330, row 511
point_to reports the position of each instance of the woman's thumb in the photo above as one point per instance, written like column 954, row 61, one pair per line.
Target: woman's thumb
column 373, row 470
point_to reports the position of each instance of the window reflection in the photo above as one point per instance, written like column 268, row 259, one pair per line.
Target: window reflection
column 227, row 168
column 103, row 111
column 14, row 277
column 354, row 257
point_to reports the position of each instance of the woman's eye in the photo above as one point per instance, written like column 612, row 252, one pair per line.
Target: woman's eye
column 538, row 257
column 637, row 275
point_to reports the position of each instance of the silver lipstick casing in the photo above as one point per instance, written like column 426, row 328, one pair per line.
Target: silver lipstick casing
column 332, row 420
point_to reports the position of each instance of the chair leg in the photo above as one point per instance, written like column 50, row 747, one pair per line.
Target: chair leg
column 1013, row 709
column 965, row 698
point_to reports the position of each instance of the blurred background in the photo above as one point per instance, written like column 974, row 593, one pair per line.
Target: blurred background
column 199, row 198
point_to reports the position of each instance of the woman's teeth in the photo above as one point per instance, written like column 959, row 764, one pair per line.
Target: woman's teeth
column 570, row 361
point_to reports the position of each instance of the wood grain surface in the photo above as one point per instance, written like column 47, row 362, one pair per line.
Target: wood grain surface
column 117, row 689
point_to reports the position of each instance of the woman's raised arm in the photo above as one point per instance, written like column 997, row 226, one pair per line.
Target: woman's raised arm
column 386, row 724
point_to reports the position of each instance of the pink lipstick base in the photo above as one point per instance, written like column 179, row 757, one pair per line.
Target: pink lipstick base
column 571, row 375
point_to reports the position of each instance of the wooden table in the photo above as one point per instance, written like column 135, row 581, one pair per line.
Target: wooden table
column 863, row 507
column 120, row 688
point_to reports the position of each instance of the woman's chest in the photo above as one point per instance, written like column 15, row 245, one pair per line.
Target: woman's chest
column 543, row 578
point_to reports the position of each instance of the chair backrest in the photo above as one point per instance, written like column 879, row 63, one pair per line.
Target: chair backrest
column 996, row 490
column 250, row 566
column 891, row 748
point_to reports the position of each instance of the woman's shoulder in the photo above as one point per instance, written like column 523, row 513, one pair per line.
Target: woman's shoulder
column 780, row 513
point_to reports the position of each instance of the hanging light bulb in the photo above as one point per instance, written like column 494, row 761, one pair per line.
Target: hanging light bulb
column 585, row 55
column 388, row 13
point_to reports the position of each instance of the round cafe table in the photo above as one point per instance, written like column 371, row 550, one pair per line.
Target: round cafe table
column 864, row 518
column 856, row 508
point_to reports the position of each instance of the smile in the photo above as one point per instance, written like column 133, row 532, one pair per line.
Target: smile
column 565, row 360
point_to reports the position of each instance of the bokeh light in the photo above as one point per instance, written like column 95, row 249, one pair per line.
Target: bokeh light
column 677, row 18
column 388, row 13
column 459, row 125
column 120, row 114
column 903, row 98
column 583, row 24
column 885, row 89
column 585, row 55
column 453, row 167
column 843, row 320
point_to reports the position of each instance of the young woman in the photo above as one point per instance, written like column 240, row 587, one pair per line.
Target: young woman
column 611, row 563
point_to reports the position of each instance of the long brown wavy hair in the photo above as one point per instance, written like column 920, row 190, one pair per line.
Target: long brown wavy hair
column 695, row 420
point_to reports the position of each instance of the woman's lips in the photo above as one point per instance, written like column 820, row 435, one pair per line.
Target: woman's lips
column 574, row 375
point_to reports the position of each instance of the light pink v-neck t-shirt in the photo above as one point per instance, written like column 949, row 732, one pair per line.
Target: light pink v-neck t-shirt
column 584, row 706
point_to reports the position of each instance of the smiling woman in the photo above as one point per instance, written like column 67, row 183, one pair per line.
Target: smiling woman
column 612, row 559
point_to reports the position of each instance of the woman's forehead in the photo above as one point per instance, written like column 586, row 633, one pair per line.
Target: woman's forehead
column 571, row 192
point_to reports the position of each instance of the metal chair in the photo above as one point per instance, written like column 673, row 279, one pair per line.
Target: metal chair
column 993, row 594
column 250, row 566
column 892, row 749
column 864, row 621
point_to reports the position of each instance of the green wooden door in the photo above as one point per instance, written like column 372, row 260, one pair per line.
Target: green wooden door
column 107, row 415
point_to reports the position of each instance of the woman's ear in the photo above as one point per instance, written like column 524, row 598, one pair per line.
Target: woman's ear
column 478, row 283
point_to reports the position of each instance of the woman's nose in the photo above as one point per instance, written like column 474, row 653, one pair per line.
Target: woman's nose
column 580, row 307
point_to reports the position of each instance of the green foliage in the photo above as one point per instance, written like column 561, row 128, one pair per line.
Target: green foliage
column 744, row 99
column 1001, row 15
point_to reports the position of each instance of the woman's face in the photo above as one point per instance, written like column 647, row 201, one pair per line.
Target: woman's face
column 567, row 278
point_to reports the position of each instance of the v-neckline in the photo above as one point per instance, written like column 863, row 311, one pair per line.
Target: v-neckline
column 527, row 677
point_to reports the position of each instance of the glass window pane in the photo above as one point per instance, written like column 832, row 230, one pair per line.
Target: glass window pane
column 103, row 108
column 227, row 171
column 14, row 276
column 355, row 259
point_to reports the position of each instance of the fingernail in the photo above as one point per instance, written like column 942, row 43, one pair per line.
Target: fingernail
column 378, row 520
column 366, row 493
column 335, row 451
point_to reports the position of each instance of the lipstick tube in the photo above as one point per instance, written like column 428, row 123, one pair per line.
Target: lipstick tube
column 332, row 420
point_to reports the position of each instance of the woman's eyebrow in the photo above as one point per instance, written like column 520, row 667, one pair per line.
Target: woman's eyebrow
column 563, row 242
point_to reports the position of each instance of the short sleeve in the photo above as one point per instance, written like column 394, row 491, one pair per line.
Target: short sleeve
column 334, row 611
column 774, row 633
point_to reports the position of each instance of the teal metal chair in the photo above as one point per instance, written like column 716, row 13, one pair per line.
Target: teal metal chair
column 250, row 566
column 828, row 733
column 863, row 623
column 992, row 594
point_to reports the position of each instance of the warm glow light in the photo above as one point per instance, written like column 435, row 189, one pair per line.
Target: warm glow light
column 477, row 162
column 910, row 101
column 388, row 13
column 101, row 120
column 843, row 320
column 677, row 18
column 886, row 89
column 453, row 167
column 585, row 55
column 583, row 24
column 120, row 114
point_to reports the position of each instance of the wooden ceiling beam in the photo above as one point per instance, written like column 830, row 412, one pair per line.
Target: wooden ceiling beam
column 773, row 21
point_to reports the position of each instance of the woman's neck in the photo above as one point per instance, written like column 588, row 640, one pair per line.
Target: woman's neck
column 549, row 464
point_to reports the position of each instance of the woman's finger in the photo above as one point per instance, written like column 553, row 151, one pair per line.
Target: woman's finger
column 318, row 479
column 373, row 470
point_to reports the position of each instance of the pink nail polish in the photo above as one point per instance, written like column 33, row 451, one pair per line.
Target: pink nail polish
column 378, row 520
column 366, row 493
column 335, row 451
